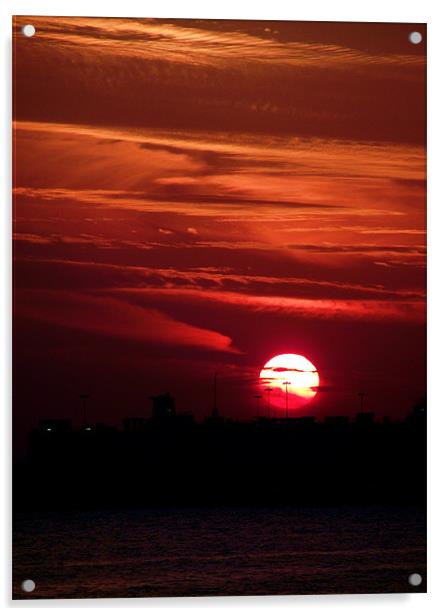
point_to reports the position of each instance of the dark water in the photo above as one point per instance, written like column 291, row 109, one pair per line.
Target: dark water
column 219, row 551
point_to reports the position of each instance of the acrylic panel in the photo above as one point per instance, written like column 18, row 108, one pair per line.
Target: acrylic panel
column 219, row 307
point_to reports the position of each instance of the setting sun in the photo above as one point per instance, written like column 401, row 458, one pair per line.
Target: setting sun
column 292, row 375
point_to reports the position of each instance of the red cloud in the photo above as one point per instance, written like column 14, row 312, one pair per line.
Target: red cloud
column 116, row 318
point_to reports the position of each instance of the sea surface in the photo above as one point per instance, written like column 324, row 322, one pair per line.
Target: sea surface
column 219, row 551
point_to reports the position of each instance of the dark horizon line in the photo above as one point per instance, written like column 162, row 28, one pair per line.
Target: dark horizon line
column 368, row 416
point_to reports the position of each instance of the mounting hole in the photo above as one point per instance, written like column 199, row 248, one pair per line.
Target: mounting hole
column 28, row 30
column 415, row 38
column 28, row 585
column 415, row 579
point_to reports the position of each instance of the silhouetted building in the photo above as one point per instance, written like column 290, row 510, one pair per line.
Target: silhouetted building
column 160, row 460
column 132, row 424
column 336, row 420
column 418, row 415
column 364, row 419
column 288, row 421
column 185, row 420
column 163, row 406
column 305, row 421
column 102, row 428
column 55, row 425
column 214, row 419
column 419, row 409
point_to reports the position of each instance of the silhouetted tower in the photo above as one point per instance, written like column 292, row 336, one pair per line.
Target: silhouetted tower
column 361, row 395
column 268, row 390
column 287, row 405
column 258, row 398
column 163, row 406
column 215, row 406
column 84, row 398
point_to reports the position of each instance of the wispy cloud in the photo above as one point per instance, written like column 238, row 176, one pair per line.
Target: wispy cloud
column 324, row 309
column 297, row 224
column 116, row 318
column 184, row 44
column 202, row 70
column 220, row 279
column 312, row 179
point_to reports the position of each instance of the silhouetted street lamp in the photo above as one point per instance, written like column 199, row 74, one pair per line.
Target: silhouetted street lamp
column 268, row 390
column 258, row 398
column 287, row 407
column 215, row 406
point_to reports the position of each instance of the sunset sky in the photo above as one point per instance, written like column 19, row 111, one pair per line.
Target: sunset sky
column 195, row 196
